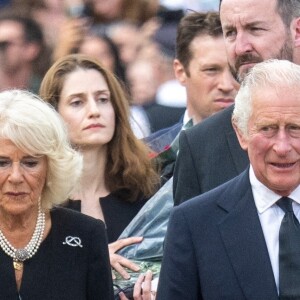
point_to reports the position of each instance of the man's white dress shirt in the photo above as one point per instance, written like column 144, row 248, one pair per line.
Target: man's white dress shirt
column 270, row 216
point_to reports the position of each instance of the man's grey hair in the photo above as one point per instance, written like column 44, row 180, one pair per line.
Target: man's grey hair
column 273, row 73
column 288, row 10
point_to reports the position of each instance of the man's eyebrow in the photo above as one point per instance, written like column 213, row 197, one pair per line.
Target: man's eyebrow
column 228, row 27
column 255, row 23
column 210, row 65
column 247, row 24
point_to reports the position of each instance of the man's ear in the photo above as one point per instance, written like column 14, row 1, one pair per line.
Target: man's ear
column 243, row 140
column 295, row 29
column 179, row 71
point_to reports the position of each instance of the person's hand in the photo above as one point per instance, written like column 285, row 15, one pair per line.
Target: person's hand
column 118, row 262
column 70, row 37
column 142, row 288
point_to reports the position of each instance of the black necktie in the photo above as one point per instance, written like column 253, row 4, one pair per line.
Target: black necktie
column 289, row 252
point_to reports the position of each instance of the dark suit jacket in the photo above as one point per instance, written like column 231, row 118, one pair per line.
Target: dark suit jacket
column 215, row 248
column 60, row 271
column 209, row 155
column 161, row 116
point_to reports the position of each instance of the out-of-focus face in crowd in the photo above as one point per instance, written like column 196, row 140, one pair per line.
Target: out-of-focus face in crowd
column 13, row 47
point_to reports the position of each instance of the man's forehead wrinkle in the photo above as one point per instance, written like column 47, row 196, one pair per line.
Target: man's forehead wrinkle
column 240, row 15
column 244, row 21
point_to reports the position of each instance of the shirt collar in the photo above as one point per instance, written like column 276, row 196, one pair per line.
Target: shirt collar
column 264, row 198
column 186, row 117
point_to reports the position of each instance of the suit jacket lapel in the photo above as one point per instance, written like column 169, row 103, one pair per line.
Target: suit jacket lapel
column 245, row 244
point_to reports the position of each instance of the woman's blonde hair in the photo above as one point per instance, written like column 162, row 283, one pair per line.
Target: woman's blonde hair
column 37, row 129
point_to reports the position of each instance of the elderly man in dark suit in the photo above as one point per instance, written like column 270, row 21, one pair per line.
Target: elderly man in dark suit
column 241, row 240
column 254, row 30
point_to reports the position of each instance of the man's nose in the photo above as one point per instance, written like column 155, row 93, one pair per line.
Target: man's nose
column 227, row 83
column 242, row 44
column 282, row 144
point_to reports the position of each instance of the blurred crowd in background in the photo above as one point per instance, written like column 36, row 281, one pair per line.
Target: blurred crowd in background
column 135, row 39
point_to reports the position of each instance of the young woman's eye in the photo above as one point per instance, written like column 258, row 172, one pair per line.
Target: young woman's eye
column 76, row 102
column 103, row 99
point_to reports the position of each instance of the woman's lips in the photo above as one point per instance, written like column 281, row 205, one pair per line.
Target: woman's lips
column 94, row 126
column 16, row 193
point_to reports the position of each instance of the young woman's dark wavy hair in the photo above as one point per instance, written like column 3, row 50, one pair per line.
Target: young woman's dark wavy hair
column 129, row 167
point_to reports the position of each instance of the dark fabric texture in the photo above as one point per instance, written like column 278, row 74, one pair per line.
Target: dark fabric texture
column 117, row 212
column 289, row 252
column 215, row 248
column 209, row 155
column 59, row 271
column 161, row 116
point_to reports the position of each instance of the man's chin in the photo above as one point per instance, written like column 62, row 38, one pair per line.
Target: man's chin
column 244, row 70
column 241, row 77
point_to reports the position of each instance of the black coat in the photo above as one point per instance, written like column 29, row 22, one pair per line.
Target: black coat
column 209, row 155
column 117, row 212
column 59, row 271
